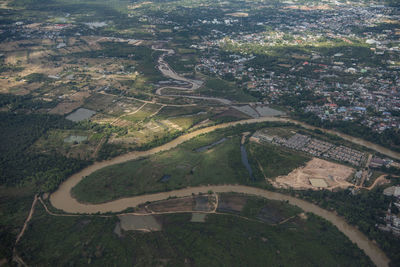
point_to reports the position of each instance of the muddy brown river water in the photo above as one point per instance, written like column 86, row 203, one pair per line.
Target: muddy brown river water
column 62, row 199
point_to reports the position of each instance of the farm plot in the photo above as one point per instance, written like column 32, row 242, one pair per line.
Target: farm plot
column 176, row 205
column 193, row 203
column 99, row 102
column 231, row 203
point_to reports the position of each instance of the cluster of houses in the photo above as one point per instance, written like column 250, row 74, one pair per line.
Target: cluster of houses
column 377, row 162
column 376, row 101
column 369, row 94
column 346, row 154
column 315, row 147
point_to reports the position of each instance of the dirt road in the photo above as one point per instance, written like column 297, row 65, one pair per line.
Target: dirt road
column 16, row 257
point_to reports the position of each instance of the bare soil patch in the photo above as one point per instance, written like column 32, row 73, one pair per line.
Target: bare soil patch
column 65, row 107
column 192, row 203
column 231, row 203
column 146, row 223
column 173, row 205
column 335, row 175
column 204, row 203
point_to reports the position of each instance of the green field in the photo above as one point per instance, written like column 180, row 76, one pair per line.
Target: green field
column 221, row 164
column 278, row 160
column 224, row 89
column 169, row 111
column 182, row 63
column 222, row 240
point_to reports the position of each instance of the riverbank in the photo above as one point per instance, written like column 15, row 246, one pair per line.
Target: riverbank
column 370, row 248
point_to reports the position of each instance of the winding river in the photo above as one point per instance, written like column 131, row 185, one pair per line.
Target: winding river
column 62, row 199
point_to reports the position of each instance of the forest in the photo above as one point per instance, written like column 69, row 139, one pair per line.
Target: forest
column 19, row 166
column 364, row 209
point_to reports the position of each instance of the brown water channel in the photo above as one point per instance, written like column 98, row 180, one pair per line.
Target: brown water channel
column 62, row 199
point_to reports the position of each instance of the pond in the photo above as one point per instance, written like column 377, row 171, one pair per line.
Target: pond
column 80, row 114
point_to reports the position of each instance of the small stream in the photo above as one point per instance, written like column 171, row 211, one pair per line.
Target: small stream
column 245, row 161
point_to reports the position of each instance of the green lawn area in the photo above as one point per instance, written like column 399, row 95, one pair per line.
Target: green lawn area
column 223, row 240
column 221, row 164
column 274, row 160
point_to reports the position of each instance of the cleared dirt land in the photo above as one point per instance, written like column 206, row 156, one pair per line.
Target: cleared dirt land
column 138, row 222
column 198, row 203
column 331, row 174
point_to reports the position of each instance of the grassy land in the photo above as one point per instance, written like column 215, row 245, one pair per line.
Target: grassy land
column 181, row 63
column 169, row 111
column 224, row 89
column 274, row 160
column 223, row 240
column 221, row 164
column 143, row 113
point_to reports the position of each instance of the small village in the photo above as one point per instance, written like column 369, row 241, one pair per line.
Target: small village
column 315, row 147
column 369, row 94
